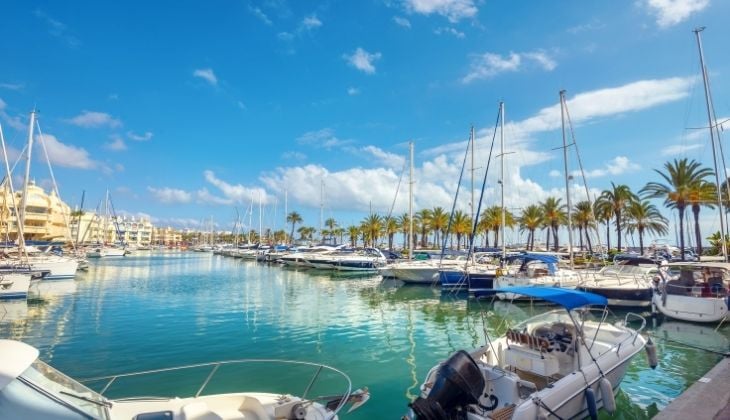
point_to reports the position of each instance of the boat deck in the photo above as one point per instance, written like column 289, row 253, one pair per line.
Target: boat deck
column 708, row 398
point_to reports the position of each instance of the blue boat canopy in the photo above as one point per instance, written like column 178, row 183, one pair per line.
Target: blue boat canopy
column 546, row 258
column 567, row 298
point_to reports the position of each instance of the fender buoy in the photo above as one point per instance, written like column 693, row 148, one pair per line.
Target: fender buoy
column 651, row 354
column 591, row 403
column 609, row 400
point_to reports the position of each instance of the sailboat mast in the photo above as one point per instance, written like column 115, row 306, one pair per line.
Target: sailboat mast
column 501, row 181
column 24, row 200
column 567, row 178
column 321, row 210
column 9, row 185
column 708, row 102
column 471, row 139
column 410, row 201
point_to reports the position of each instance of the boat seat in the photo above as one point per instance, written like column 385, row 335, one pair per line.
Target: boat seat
column 251, row 408
column 198, row 410
column 533, row 342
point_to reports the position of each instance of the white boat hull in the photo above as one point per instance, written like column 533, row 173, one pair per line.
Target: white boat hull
column 14, row 286
column 691, row 308
column 57, row 267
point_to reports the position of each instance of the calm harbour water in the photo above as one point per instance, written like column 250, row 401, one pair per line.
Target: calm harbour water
column 174, row 308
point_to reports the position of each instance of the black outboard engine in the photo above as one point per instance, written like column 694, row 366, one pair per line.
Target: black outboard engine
column 459, row 382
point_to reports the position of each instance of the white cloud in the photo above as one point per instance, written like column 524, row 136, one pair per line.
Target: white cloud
column 679, row 149
column 449, row 31
column 204, row 196
column 206, row 74
column 352, row 91
column 390, row 160
column 324, row 138
column 58, row 29
column 363, row 60
column 168, row 195
column 140, row 137
column 292, row 155
column 555, row 173
column 672, row 12
column 310, row 22
column 12, row 86
column 65, row 155
column 233, row 193
column 259, row 14
column 401, row 21
column 116, row 144
column 285, row 36
column 93, row 119
column 454, row 10
column 12, row 121
column 488, row 65
column 617, row 166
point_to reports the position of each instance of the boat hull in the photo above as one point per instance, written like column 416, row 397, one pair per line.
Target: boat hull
column 624, row 297
column 14, row 285
column 692, row 308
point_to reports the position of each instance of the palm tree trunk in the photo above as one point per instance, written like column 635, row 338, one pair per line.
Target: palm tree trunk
column 698, row 236
column 618, row 229
column 608, row 235
column 681, row 230
column 555, row 235
column 641, row 240
column 496, row 237
column 580, row 235
column 547, row 241
column 588, row 239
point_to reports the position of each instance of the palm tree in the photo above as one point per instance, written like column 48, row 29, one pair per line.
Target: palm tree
column 619, row 197
column 353, row 232
column 702, row 193
column 404, row 224
column 645, row 217
column 423, row 217
column 554, row 215
column 461, row 226
column 371, row 228
column 340, row 232
column 390, row 226
column 604, row 213
column 583, row 219
column 679, row 177
column 331, row 224
column 531, row 219
column 439, row 223
column 293, row 218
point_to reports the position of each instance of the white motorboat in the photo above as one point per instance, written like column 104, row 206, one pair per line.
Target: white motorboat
column 537, row 270
column 57, row 267
column 31, row 389
column 300, row 256
column 560, row 364
column 423, row 271
column 367, row 260
column 629, row 283
column 14, row 285
column 105, row 252
column 697, row 292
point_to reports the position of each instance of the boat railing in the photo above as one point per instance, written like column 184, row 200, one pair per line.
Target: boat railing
column 215, row 366
column 637, row 317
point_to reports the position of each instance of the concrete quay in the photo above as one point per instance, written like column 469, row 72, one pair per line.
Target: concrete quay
column 708, row 398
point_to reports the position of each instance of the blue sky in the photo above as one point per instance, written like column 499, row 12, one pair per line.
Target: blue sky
column 187, row 110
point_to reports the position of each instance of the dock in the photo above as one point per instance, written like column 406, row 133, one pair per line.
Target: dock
column 708, row 398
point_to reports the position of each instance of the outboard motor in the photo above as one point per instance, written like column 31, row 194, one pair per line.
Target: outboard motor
column 458, row 383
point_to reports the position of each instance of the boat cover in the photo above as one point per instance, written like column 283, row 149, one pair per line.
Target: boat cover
column 569, row 299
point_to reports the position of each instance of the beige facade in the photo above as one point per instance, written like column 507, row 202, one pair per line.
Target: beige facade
column 166, row 236
column 46, row 215
column 92, row 229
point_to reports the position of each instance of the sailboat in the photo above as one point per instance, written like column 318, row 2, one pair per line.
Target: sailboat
column 699, row 292
column 57, row 267
column 105, row 250
column 541, row 270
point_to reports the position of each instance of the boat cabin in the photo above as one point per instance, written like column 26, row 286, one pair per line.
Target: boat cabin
column 699, row 279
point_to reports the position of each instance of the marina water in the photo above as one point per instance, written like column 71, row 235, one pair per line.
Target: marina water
column 165, row 309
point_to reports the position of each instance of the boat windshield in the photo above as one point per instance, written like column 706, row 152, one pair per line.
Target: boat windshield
column 72, row 393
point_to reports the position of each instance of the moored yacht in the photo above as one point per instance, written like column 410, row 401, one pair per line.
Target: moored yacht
column 561, row 364
column 14, row 285
column 629, row 283
column 697, row 292
column 31, row 389
column 537, row 270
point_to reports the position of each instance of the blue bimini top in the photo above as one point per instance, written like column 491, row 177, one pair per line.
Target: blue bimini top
column 567, row 298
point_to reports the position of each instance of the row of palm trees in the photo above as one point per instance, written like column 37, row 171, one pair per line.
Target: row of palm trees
column 684, row 185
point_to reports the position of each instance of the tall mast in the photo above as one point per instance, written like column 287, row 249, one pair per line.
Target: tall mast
column 321, row 210
column 708, row 101
column 9, row 184
column 501, row 158
column 471, row 139
column 410, row 201
column 261, row 218
column 567, row 178
column 24, row 199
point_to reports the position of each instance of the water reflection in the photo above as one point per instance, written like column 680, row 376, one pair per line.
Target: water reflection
column 168, row 309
